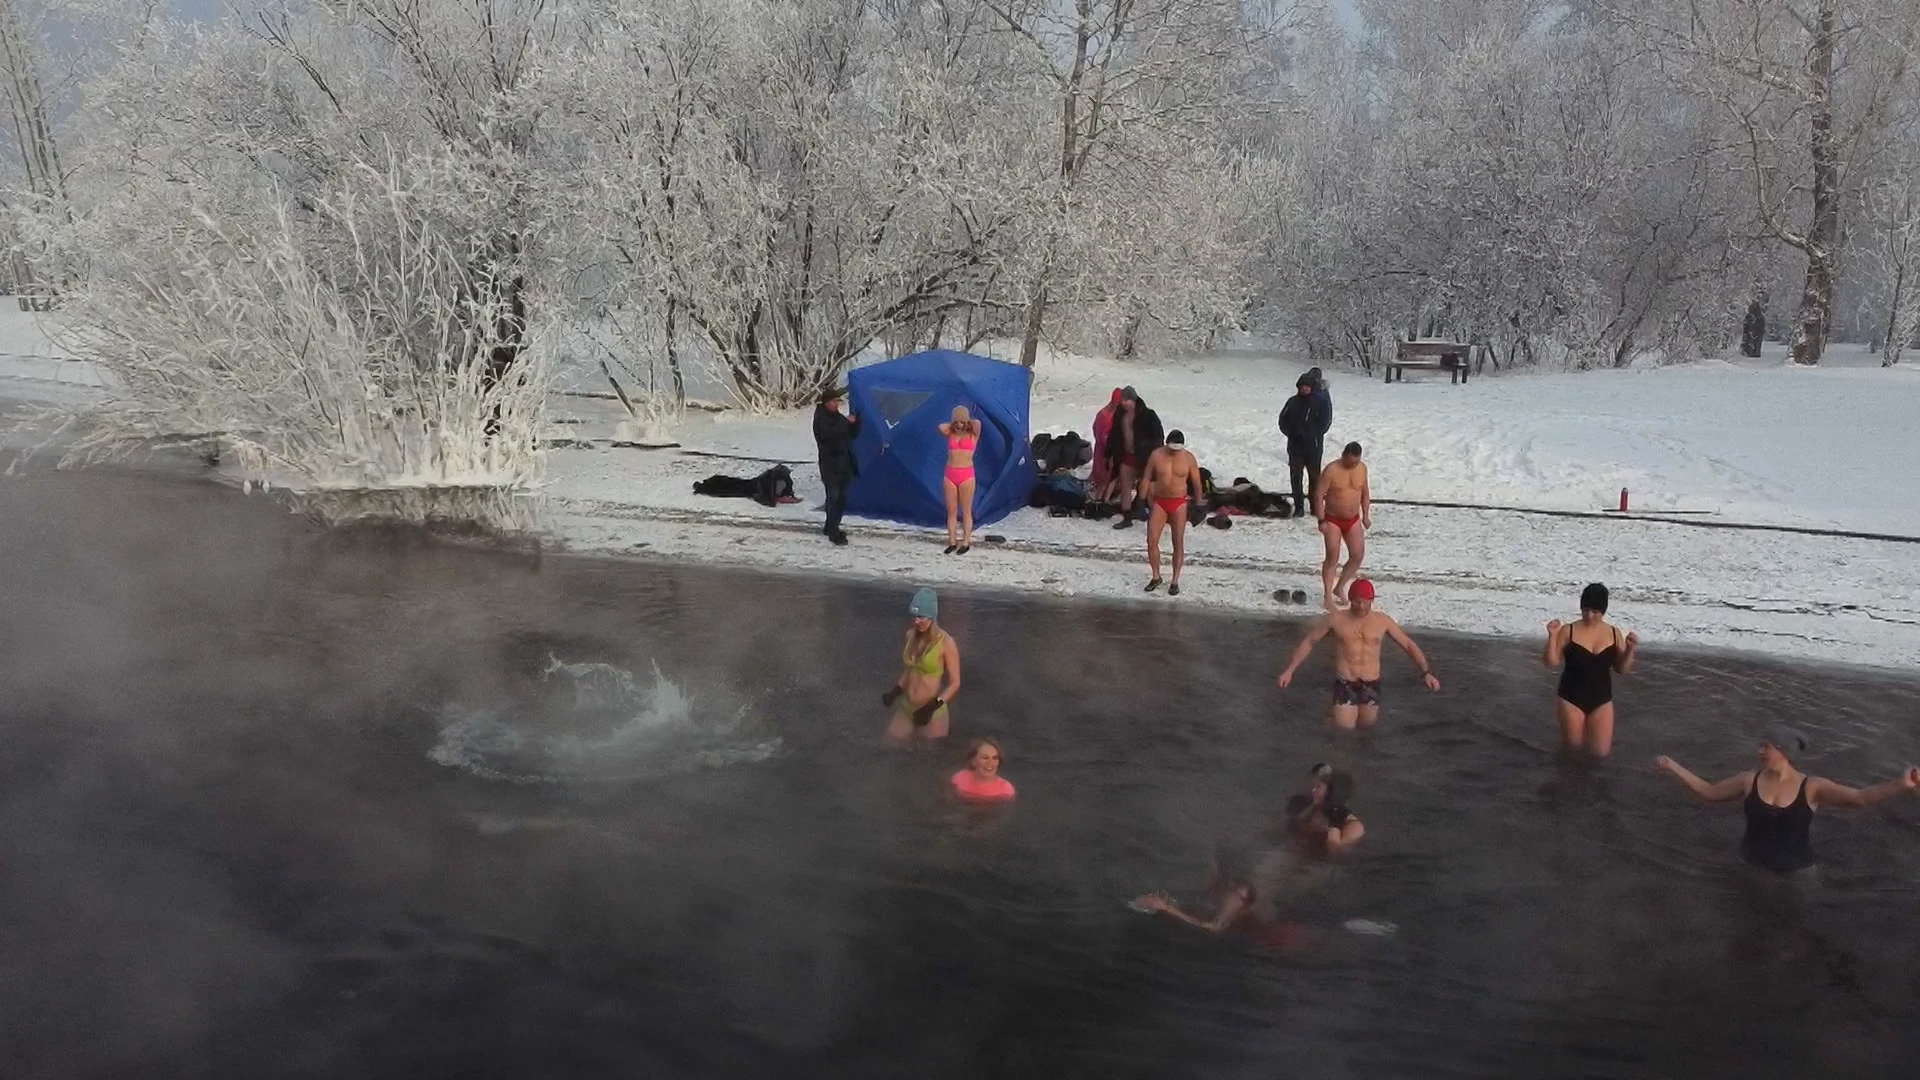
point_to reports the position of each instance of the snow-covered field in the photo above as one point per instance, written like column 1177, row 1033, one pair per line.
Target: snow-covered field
column 1757, row 443
column 1753, row 443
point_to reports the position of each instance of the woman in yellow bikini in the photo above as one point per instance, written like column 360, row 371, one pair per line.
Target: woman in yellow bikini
column 929, row 659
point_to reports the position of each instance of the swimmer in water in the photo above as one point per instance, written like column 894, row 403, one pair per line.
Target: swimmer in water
column 980, row 781
column 1591, row 650
column 929, row 658
column 1320, row 821
column 1358, row 631
column 1779, row 800
column 1231, row 889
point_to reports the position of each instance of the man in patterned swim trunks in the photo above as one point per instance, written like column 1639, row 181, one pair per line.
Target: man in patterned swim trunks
column 1357, row 632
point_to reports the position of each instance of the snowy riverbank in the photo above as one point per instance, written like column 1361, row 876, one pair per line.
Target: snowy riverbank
column 1757, row 443
column 1753, row 444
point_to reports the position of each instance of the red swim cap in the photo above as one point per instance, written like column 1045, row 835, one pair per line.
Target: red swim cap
column 1361, row 589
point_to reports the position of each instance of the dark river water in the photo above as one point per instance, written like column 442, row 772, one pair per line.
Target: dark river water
column 282, row 802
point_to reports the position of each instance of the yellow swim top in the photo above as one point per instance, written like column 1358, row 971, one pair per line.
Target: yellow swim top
column 929, row 662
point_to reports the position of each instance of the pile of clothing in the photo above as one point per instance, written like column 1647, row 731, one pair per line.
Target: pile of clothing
column 1061, row 453
column 771, row 488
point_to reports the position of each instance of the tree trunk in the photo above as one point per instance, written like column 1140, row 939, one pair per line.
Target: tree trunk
column 39, row 156
column 1129, row 345
column 1823, row 234
column 1036, row 318
column 673, row 357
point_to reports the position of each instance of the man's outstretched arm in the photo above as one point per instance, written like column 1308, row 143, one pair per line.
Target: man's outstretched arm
column 1419, row 658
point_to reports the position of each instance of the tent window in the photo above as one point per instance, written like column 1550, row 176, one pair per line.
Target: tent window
column 897, row 405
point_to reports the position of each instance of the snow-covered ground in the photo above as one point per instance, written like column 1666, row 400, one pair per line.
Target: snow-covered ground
column 1755, row 443
column 32, row 365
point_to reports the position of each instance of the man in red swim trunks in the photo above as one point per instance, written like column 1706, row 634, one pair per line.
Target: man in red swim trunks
column 1343, row 503
column 1171, row 477
column 1358, row 630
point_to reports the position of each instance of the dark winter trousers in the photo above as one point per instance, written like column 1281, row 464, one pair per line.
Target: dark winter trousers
column 1303, row 462
column 836, row 481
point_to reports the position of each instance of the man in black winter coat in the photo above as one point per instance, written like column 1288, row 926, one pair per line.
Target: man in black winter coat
column 1304, row 420
column 1136, row 434
column 834, row 432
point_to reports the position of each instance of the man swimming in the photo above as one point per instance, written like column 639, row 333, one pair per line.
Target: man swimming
column 1170, row 478
column 1357, row 632
column 1343, row 503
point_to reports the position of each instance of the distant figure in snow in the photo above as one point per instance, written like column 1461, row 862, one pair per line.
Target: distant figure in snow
column 963, row 436
column 1779, row 800
column 1588, row 652
column 980, row 781
column 1343, row 503
column 834, row 432
column 1172, row 477
column 929, row 676
column 1357, row 632
column 1135, row 436
column 1304, row 421
column 1102, row 475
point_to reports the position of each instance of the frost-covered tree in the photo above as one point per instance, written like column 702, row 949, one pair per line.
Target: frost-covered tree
column 319, row 244
column 1499, row 171
column 1807, row 89
column 1147, row 95
column 782, row 184
column 1889, row 224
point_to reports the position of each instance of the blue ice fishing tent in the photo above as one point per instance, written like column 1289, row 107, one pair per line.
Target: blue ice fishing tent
column 902, row 455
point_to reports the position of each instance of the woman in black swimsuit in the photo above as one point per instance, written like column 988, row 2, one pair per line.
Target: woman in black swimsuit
column 1779, row 800
column 1588, row 652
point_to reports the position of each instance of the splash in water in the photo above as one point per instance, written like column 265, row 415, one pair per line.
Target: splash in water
column 597, row 723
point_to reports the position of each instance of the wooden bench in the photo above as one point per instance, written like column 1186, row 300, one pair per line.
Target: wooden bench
column 1450, row 356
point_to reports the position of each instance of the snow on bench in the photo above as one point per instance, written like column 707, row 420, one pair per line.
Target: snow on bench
column 1451, row 356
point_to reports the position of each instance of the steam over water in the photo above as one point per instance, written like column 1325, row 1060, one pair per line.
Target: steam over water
column 278, row 802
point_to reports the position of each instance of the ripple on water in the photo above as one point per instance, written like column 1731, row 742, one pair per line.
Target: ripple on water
column 595, row 722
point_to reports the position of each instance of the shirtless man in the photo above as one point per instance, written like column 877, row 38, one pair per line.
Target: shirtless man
column 1171, row 477
column 1344, row 506
column 1357, row 632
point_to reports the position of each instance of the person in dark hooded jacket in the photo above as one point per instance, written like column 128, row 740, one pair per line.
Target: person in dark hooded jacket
column 1304, row 421
column 834, row 432
column 1136, row 434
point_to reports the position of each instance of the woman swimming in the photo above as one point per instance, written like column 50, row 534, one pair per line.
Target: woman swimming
column 1230, row 887
column 1321, row 821
column 963, row 436
column 1780, row 800
column 929, row 658
column 1588, row 652
column 980, row 781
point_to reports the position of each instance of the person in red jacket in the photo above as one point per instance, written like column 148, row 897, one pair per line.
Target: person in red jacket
column 1102, row 425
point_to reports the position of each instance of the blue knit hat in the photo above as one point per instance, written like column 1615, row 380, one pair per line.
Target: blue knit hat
column 925, row 605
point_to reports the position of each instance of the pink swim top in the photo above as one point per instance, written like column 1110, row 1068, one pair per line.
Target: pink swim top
column 961, row 442
column 973, row 789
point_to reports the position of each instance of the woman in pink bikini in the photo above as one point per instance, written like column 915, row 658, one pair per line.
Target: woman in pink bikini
column 963, row 434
